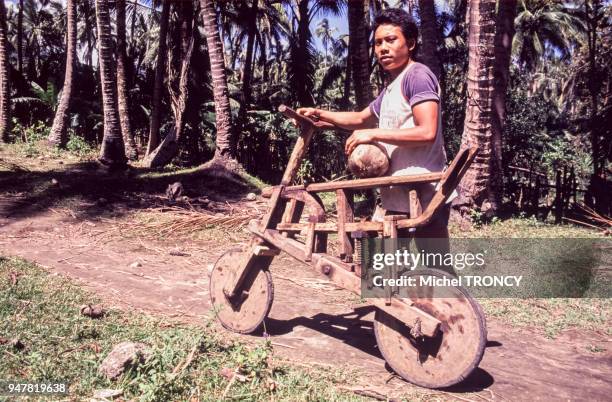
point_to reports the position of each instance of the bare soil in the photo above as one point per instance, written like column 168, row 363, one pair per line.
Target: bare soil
column 312, row 322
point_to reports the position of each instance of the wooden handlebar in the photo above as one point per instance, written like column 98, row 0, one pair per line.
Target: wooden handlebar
column 292, row 114
column 303, row 120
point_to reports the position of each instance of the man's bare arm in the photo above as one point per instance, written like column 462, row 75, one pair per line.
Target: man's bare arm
column 347, row 120
column 423, row 133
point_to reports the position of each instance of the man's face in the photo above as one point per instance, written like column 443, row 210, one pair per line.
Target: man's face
column 391, row 48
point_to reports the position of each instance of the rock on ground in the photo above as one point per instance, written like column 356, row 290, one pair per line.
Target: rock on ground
column 123, row 355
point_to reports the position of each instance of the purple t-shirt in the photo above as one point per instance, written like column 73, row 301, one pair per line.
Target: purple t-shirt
column 393, row 109
column 419, row 85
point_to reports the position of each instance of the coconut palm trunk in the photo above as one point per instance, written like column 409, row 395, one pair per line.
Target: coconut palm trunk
column 248, row 62
column 58, row 135
column 226, row 143
column 429, row 35
column 358, row 52
column 112, row 152
column 477, row 190
column 122, row 90
column 5, row 88
column 303, row 51
column 501, row 73
column 20, row 38
column 159, row 78
column 178, row 69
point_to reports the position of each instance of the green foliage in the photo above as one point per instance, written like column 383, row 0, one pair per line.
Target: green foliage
column 78, row 146
column 28, row 138
column 550, row 114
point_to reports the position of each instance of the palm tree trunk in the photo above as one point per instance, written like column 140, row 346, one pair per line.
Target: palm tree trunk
column 358, row 52
column 477, row 191
column 5, row 88
column 501, row 74
column 20, row 38
column 346, row 94
column 226, row 142
column 58, row 135
column 592, row 13
column 248, row 62
column 112, row 153
column 179, row 63
column 429, row 34
column 304, row 70
column 122, row 91
column 159, row 79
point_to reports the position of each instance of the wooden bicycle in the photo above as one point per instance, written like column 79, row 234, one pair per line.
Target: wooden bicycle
column 430, row 341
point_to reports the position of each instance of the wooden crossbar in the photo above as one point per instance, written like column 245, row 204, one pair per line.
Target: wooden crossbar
column 359, row 184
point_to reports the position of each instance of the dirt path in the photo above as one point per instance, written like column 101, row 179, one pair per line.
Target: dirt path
column 311, row 322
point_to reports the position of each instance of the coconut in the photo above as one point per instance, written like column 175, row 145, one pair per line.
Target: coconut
column 368, row 160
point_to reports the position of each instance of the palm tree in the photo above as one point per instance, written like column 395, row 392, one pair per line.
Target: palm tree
column 478, row 190
column 359, row 51
column 326, row 34
column 501, row 74
column 20, row 38
column 263, row 26
column 248, row 62
column 594, row 16
column 429, row 36
column 159, row 78
column 302, row 59
column 226, row 142
column 5, row 88
column 87, row 32
column 58, row 135
column 542, row 25
column 112, row 152
column 122, row 90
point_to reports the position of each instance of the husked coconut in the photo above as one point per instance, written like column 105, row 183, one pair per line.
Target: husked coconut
column 368, row 160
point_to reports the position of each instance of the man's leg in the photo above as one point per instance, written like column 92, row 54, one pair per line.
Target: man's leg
column 433, row 239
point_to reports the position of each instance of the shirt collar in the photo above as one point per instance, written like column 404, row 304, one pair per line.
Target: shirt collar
column 400, row 76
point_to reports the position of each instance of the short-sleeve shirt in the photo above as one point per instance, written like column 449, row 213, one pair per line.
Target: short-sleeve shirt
column 393, row 108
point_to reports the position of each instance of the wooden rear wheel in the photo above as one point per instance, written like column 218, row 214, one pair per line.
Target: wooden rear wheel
column 445, row 359
column 247, row 312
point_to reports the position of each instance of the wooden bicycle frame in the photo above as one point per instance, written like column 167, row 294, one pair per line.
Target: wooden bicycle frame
column 275, row 231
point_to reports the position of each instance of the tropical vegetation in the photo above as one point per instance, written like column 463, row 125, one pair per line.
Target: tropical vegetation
column 155, row 82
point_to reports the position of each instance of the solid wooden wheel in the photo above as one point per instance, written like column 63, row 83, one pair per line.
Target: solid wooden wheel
column 246, row 313
column 445, row 359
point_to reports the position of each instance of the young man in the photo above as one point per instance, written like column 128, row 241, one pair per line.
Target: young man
column 407, row 114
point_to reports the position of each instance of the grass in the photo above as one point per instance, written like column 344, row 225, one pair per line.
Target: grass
column 547, row 316
column 523, row 228
column 42, row 312
column 552, row 316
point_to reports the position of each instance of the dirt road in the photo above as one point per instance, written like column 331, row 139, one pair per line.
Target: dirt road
column 311, row 321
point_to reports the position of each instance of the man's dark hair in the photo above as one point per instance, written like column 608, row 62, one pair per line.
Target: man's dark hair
column 401, row 19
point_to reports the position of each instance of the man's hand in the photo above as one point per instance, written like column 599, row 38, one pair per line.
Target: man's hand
column 315, row 115
column 358, row 137
column 311, row 112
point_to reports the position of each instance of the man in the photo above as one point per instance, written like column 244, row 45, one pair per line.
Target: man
column 408, row 115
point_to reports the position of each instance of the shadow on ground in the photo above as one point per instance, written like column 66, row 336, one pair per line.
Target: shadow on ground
column 353, row 330
column 92, row 192
column 349, row 328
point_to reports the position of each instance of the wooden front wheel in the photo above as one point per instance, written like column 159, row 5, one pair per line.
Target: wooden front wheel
column 445, row 359
column 245, row 314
